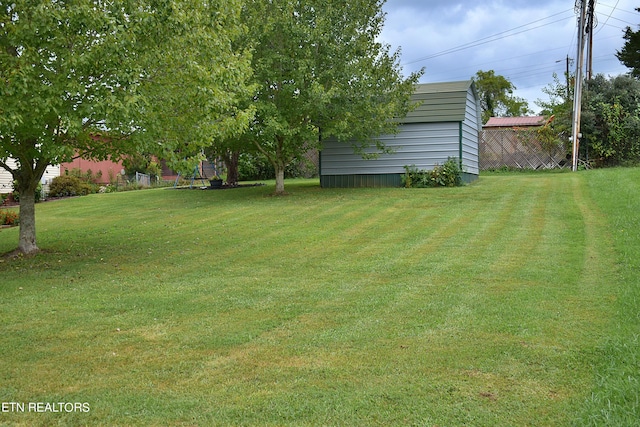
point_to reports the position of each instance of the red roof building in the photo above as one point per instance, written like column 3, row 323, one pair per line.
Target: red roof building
column 510, row 122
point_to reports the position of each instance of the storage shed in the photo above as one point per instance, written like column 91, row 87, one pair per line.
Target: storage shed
column 446, row 124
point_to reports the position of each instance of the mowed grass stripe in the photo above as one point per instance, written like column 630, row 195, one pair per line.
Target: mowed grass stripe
column 478, row 234
column 360, row 323
column 614, row 399
column 334, row 307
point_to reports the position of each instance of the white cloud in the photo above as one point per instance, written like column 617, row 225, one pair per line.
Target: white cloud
column 523, row 41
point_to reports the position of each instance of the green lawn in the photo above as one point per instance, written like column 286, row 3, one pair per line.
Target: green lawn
column 509, row 302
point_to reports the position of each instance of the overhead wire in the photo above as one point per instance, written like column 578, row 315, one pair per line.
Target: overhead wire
column 492, row 38
column 525, row 73
column 510, row 33
column 608, row 17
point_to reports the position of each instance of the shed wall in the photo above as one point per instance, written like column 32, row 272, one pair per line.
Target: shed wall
column 421, row 144
column 446, row 123
column 471, row 128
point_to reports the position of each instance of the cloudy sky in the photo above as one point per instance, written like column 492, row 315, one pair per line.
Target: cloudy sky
column 523, row 40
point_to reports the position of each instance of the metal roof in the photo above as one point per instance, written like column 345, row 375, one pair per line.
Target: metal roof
column 440, row 102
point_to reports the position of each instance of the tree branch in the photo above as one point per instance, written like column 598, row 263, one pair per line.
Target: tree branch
column 6, row 167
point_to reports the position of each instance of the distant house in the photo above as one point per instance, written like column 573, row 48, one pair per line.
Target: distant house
column 512, row 142
column 445, row 124
column 511, row 122
column 107, row 170
column 6, row 179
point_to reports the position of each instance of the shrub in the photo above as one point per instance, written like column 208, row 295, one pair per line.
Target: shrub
column 447, row 175
column 9, row 217
column 88, row 176
column 253, row 167
column 142, row 163
column 69, row 185
column 107, row 189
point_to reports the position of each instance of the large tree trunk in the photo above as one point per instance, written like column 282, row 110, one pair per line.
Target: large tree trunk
column 27, row 239
column 231, row 159
column 27, row 180
column 278, row 161
column 279, row 180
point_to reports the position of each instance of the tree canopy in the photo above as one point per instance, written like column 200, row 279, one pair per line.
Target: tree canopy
column 496, row 96
column 101, row 79
column 611, row 120
column 321, row 72
column 629, row 55
column 195, row 83
column 559, row 106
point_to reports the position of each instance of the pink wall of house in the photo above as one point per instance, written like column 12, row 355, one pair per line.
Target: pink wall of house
column 107, row 167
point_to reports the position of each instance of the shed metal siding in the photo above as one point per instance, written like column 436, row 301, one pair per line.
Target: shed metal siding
column 361, row 181
column 445, row 124
column 422, row 144
column 471, row 127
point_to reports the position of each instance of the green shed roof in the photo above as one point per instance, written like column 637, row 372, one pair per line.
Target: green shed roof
column 440, row 102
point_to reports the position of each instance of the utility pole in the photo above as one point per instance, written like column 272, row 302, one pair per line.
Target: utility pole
column 577, row 92
column 568, row 80
column 589, row 31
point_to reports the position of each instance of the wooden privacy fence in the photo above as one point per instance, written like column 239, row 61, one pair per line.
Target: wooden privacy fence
column 518, row 149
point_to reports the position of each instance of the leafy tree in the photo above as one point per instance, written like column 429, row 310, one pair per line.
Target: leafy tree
column 101, row 79
column 496, row 96
column 559, row 108
column 229, row 151
column 560, row 100
column 611, row 119
column 630, row 53
column 195, row 83
column 321, row 72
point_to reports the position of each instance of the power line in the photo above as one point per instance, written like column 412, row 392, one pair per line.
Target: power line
column 493, row 62
column 523, row 72
column 612, row 10
column 524, row 76
column 492, row 38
